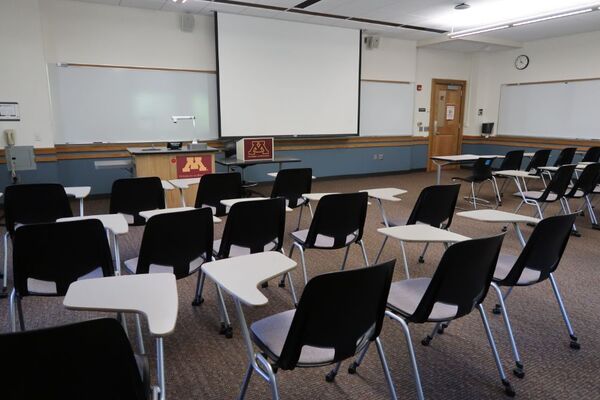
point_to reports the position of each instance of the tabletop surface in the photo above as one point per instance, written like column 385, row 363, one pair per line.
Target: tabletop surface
column 516, row 174
column 151, row 213
column 154, row 295
column 464, row 157
column 236, row 161
column 116, row 223
column 274, row 175
column 79, row 192
column 164, row 150
column 421, row 233
column 240, row 276
column 231, row 202
column 497, row 216
column 166, row 185
column 388, row 194
column 184, row 183
column 316, row 196
column 553, row 168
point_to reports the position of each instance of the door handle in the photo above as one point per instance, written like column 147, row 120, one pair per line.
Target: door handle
column 435, row 127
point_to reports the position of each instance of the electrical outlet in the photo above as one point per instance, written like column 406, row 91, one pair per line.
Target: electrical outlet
column 380, row 156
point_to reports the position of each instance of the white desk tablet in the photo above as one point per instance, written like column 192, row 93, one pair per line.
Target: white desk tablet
column 386, row 194
column 151, row 213
column 422, row 233
column 230, row 202
column 496, row 216
column 316, row 196
column 80, row 193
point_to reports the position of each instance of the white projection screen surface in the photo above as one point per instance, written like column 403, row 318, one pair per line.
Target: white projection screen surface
column 282, row 78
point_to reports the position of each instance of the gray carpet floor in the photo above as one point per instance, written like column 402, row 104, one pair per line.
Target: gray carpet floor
column 201, row 364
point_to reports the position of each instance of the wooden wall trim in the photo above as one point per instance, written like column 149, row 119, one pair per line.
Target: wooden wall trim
column 525, row 141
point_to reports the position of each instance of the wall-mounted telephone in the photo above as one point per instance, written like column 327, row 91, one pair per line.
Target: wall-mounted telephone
column 10, row 136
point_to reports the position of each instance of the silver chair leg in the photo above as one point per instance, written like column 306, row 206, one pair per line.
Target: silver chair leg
column 246, row 381
column 5, row 270
column 574, row 343
column 474, row 199
column 294, row 298
column 345, row 258
column 422, row 256
column 266, row 367
column 508, row 389
column 411, row 352
column 139, row 334
column 356, row 363
column 381, row 249
column 303, row 262
column 225, row 323
column 518, row 370
column 364, row 252
column 496, row 192
column 386, row 370
column 199, row 288
column 591, row 213
column 12, row 310
column 427, row 340
column 405, row 260
column 300, row 216
column 567, row 210
column 312, row 214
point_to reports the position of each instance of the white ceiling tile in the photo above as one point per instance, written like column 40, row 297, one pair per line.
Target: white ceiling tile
column 149, row 4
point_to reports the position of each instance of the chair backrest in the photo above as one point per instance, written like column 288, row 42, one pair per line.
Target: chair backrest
column 254, row 225
column 216, row 187
column 339, row 216
column 539, row 159
column 559, row 183
column 587, row 181
column 35, row 203
column 565, row 156
column 86, row 360
column 592, row 155
column 512, row 160
column 482, row 169
column 176, row 239
column 131, row 195
column 47, row 258
column 544, row 249
column 292, row 184
column 435, row 206
column 462, row 278
column 340, row 310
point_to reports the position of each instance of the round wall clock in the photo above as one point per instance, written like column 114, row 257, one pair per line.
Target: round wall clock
column 521, row 62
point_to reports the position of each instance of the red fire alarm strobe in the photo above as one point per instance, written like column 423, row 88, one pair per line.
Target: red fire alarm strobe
column 419, row 88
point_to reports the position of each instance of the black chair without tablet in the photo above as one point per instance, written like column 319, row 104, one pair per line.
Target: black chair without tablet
column 216, row 187
column 129, row 196
column 291, row 184
column 482, row 172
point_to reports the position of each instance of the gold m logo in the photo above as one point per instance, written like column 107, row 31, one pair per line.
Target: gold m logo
column 193, row 163
column 258, row 149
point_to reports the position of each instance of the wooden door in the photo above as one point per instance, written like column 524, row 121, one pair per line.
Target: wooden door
column 446, row 119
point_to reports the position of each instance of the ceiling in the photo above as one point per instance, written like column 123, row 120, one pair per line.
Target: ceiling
column 420, row 20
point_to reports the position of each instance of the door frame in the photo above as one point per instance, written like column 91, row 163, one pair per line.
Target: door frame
column 434, row 82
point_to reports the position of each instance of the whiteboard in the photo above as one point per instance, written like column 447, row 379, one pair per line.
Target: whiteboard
column 563, row 109
column 102, row 104
column 386, row 108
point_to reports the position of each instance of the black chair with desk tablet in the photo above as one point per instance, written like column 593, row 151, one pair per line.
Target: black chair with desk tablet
column 48, row 257
column 252, row 227
column 565, row 156
column 85, row 360
column 537, row 263
column 129, row 196
column 31, row 204
column 435, row 206
column 458, row 287
column 338, row 223
column 482, row 172
column 216, row 187
column 583, row 188
column 511, row 162
column 338, row 315
column 291, row 184
column 592, row 155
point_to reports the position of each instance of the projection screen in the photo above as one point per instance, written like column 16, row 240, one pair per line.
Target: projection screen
column 282, row 78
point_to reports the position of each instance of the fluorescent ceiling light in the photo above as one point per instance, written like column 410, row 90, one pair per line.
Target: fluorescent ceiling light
column 568, row 14
column 495, row 28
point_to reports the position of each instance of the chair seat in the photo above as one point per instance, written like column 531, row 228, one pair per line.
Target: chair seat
column 131, row 266
column 536, row 194
column 38, row 286
column 396, row 222
column 506, row 263
column 270, row 334
column 322, row 241
column 406, row 295
column 235, row 251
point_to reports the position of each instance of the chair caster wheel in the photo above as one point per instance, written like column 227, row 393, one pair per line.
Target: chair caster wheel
column 352, row 368
column 281, row 284
column 426, row 341
column 330, row 377
column 575, row 345
column 576, row 233
column 504, row 229
column 264, row 285
column 421, row 260
column 508, row 389
column 226, row 330
column 197, row 302
column 497, row 309
column 519, row 373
